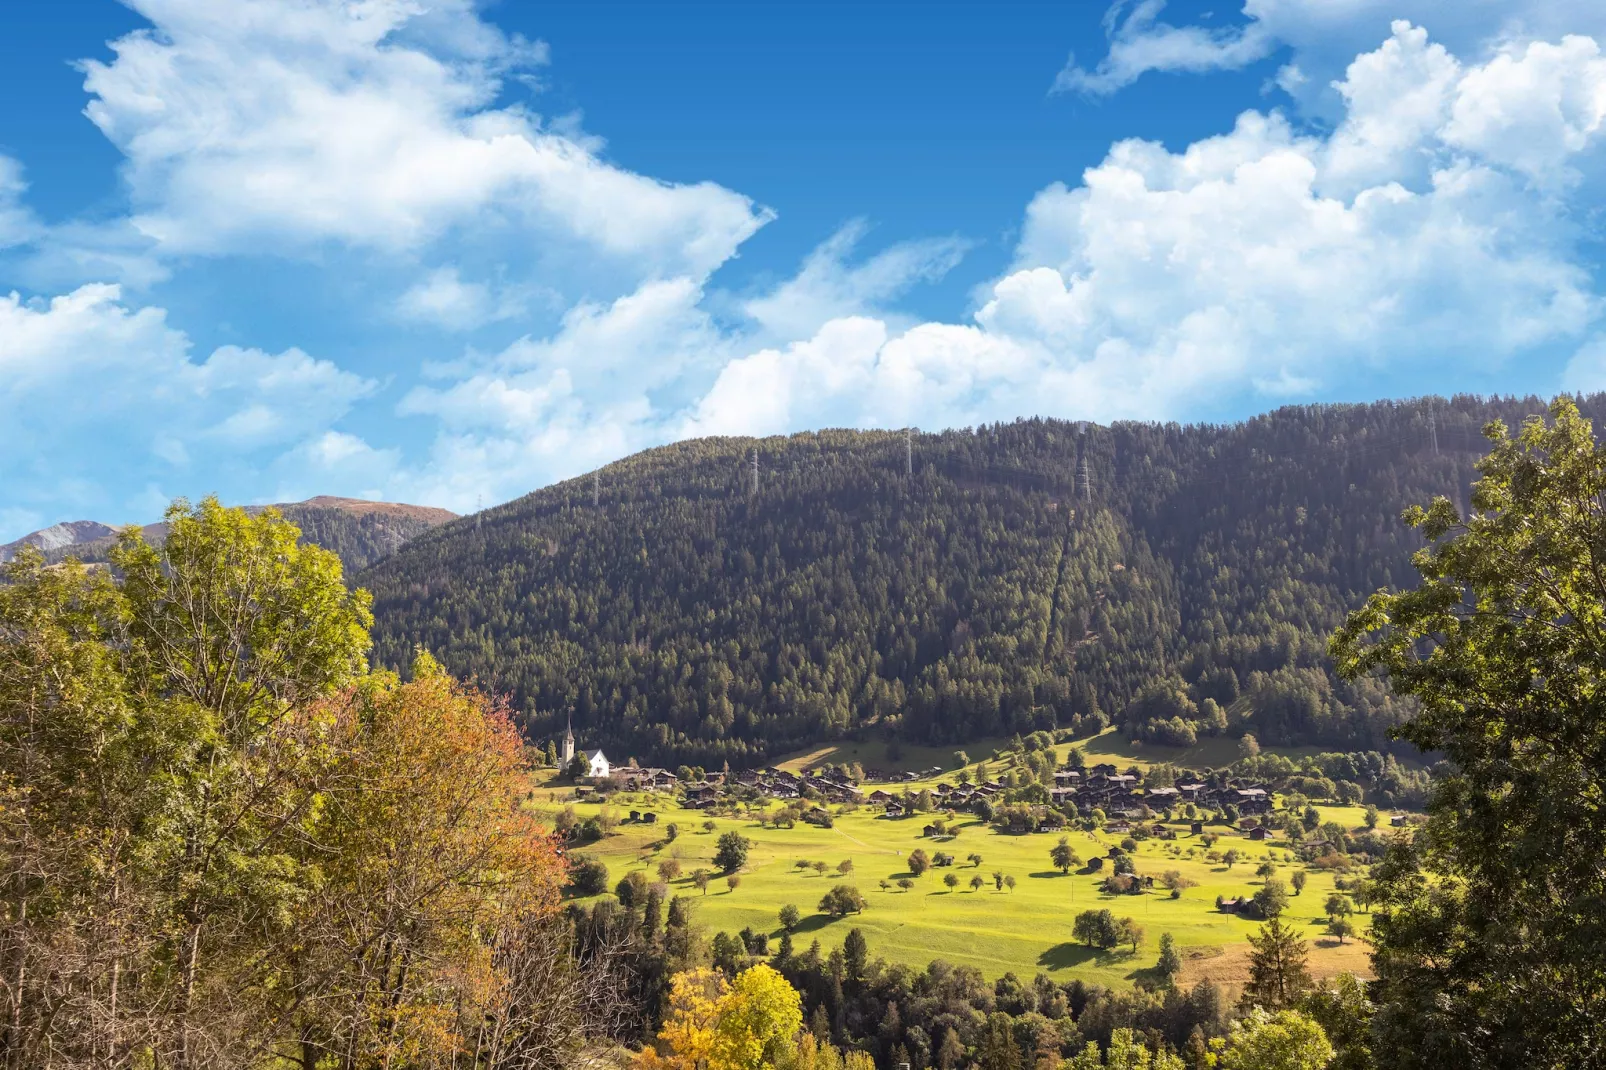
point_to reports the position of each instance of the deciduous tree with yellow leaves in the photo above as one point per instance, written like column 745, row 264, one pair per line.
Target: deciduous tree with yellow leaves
column 752, row 1023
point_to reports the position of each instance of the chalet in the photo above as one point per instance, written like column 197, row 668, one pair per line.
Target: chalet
column 929, row 830
column 1067, row 776
column 892, row 810
column 1103, row 769
column 638, row 779
column 880, row 796
column 1258, row 834
column 817, row 815
column 1397, row 821
column 1161, row 796
column 1192, row 792
column 598, row 764
column 1250, row 800
column 1196, row 828
column 1229, row 906
column 699, row 795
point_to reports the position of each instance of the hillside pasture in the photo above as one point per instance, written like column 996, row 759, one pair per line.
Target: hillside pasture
column 1023, row 930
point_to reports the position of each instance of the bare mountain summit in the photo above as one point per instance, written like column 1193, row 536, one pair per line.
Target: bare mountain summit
column 361, row 532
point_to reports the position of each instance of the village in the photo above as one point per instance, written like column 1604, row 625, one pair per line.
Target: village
column 1121, row 798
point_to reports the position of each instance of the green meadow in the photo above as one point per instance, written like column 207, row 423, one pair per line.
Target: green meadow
column 1025, row 930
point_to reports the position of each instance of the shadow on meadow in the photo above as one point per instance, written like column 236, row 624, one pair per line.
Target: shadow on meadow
column 1070, row 955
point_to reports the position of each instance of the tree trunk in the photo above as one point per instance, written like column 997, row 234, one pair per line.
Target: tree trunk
column 192, row 960
column 18, row 979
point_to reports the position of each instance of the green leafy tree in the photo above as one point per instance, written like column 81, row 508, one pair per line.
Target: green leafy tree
column 1298, row 879
column 841, row 900
column 1272, row 898
column 918, row 862
column 1502, row 646
column 730, row 853
column 1286, row 1040
column 1097, row 928
column 232, row 623
column 1341, row 927
column 790, row 917
column 1063, row 856
column 998, row 1050
column 1340, row 1006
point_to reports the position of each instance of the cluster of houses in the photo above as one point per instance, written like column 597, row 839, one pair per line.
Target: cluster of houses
column 1102, row 787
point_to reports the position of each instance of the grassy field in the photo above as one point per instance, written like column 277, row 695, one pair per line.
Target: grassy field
column 1024, row 930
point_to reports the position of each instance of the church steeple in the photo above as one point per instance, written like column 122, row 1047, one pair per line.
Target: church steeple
column 568, row 741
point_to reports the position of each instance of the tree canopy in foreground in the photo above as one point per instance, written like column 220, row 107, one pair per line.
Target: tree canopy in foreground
column 226, row 843
column 1490, row 929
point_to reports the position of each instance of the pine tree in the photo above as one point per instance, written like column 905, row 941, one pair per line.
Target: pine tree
column 1277, row 967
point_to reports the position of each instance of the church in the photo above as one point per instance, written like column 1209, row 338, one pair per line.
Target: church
column 596, row 760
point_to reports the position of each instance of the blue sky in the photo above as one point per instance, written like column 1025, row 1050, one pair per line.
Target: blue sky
column 447, row 252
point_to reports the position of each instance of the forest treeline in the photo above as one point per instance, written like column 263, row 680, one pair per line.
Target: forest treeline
column 1175, row 580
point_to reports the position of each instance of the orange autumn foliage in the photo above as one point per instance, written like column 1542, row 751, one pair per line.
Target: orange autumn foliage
column 431, row 867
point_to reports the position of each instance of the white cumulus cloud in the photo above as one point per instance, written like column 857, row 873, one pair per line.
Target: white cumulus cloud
column 259, row 124
column 91, row 386
column 1266, row 261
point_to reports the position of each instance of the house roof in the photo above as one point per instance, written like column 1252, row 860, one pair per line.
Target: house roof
column 594, row 755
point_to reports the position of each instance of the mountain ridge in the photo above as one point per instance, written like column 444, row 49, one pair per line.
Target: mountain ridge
column 968, row 583
column 359, row 530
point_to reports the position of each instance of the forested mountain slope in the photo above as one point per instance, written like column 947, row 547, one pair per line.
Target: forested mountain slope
column 1188, row 579
column 359, row 531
